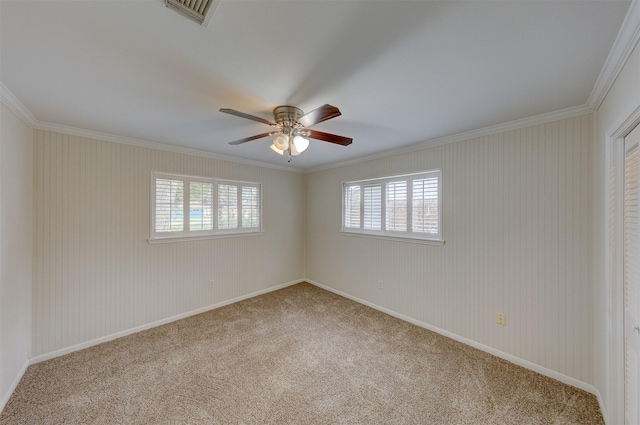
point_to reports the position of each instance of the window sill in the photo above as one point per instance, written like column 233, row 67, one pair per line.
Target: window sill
column 202, row 237
column 395, row 238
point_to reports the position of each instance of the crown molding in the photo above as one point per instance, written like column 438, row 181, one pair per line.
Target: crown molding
column 21, row 111
column 12, row 102
column 89, row 134
column 467, row 135
column 622, row 48
column 16, row 106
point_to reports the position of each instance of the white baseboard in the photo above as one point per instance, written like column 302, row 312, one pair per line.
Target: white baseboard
column 513, row 359
column 14, row 384
column 91, row 343
column 603, row 409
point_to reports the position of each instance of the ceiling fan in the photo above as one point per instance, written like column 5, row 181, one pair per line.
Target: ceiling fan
column 291, row 128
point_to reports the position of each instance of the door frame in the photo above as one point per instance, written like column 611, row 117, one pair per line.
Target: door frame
column 614, row 251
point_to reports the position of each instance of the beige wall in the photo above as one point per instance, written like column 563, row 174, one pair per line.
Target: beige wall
column 94, row 272
column 517, row 223
column 620, row 102
column 16, row 222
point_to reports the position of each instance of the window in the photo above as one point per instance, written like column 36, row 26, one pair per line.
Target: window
column 185, row 207
column 405, row 206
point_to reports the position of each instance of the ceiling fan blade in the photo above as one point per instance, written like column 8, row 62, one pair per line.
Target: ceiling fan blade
column 333, row 138
column 248, row 139
column 247, row 116
column 323, row 113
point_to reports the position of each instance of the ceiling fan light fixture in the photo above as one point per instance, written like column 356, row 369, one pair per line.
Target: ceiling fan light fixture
column 299, row 145
column 290, row 128
column 281, row 141
column 276, row 150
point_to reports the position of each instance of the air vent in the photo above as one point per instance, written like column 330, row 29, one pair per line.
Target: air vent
column 199, row 11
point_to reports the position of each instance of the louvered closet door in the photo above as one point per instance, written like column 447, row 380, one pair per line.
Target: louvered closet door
column 631, row 280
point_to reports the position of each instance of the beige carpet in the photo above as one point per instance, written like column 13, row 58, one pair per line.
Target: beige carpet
column 300, row 355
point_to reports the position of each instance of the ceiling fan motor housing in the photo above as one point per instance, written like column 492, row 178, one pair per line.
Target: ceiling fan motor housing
column 287, row 116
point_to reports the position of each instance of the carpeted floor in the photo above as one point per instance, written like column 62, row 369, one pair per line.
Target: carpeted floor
column 300, row 355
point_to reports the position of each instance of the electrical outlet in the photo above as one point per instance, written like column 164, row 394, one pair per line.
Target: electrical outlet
column 501, row 319
column 212, row 283
column 380, row 285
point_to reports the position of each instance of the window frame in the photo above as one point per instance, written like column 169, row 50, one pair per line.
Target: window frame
column 409, row 234
column 186, row 234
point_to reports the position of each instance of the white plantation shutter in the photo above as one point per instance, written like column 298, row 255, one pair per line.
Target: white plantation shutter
column 406, row 206
column 372, row 207
column 227, row 206
column 189, row 207
column 425, row 206
column 396, row 206
column 200, row 206
column 169, row 205
column 250, row 207
column 352, row 207
column 631, row 277
column 238, row 206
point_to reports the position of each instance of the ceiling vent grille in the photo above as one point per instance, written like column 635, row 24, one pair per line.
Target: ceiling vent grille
column 199, row 11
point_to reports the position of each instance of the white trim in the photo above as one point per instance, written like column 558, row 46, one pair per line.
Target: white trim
column 603, row 408
column 407, row 239
column 187, row 234
column 383, row 183
column 12, row 102
column 624, row 126
column 395, row 176
column 467, row 135
column 14, row 384
column 516, row 360
column 169, row 239
column 614, row 356
column 513, row 359
column 91, row 343
column 622, row 48
column 16, row 106
column 89, row 134
column 626, row 40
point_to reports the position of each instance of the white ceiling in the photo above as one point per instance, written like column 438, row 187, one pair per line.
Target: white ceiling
column 401, row 72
